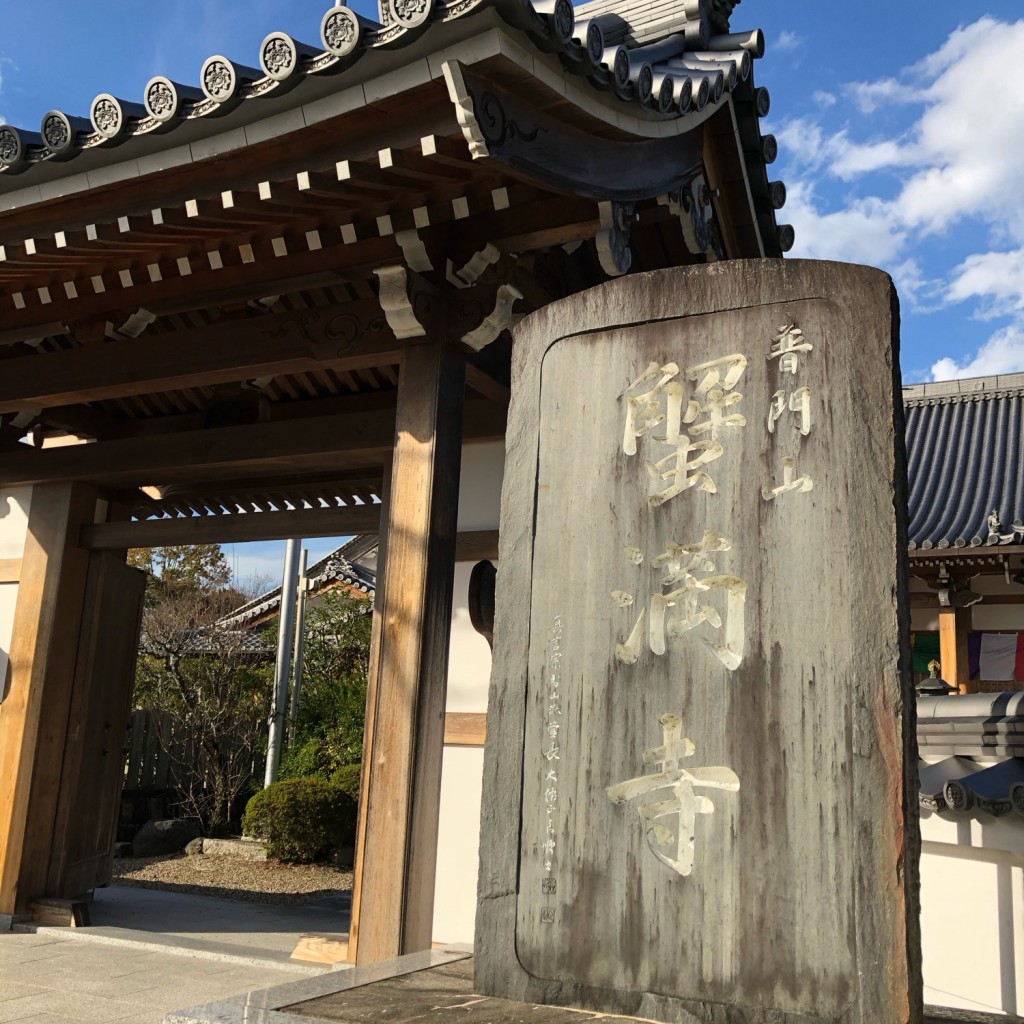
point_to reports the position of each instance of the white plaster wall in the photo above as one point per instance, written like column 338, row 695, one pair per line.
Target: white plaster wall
column 483, row 466
column 469, row 671
column 998, row 616
column 924, row 620
column 469, row 656
column 972, row 912
column 14, row 509
column 458, row 858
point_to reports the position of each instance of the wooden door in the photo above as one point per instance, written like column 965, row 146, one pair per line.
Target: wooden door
column 90, row 788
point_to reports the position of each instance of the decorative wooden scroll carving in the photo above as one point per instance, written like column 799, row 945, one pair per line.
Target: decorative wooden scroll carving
column 497, row 321
column 692, row 205
column 499, row 126
column 403, row 297
column 613, row 240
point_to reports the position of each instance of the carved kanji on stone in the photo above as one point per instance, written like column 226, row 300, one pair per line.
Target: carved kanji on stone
column 670, row 823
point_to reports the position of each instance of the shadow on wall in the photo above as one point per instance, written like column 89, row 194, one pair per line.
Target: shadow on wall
column 972, row 911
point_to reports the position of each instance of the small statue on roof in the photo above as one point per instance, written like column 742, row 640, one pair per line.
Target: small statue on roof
column 995, row 530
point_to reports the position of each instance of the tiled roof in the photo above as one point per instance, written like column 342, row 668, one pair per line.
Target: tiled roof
column 676, row 59
column 340, row 566
column 965, row 452
column 212, row 640
column 974, row 751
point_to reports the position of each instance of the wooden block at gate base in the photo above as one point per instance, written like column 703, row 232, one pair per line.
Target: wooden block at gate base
column 696, row 805
column 61, row 913
column 321, row 949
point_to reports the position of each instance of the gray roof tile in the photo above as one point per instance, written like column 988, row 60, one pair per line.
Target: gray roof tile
column 965, row 453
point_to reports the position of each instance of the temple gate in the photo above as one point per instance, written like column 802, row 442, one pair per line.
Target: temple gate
column 277, row 304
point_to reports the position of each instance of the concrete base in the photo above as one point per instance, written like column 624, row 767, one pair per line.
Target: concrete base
column 435, row 985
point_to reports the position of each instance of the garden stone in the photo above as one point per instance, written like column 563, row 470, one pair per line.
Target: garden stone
column 247, row 849
column 157, row 838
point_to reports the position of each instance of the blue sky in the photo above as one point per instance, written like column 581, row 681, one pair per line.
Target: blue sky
column 901, row 130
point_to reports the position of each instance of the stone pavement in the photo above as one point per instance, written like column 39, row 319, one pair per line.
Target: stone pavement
column 148, row 953
column 51, row 977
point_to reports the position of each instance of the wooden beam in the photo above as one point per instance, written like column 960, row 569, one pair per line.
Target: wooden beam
column 174, row 457
column 264, row 449
column 476, row 546
column 352, row 520
column 954, row 624
column 465, row 730
column 484, row 384
column 342, row 337
column 370, row 723
column 402, row 787
column 10, row 570
column 34, row 715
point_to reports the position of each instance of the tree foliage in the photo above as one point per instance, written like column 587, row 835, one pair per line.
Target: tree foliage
column 183, row 567
column 328, row 729
column 212, row 684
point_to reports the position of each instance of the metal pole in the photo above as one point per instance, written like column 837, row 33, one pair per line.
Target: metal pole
column 300, row 636
column 278, row 710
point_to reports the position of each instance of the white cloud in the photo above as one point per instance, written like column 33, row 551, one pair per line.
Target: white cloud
column 861, row 233
column 960, row 157
column 788, row 41
column 953, row 172
column 1002, row 353
column 870, row 96
column 823, row 99
column 996, row 278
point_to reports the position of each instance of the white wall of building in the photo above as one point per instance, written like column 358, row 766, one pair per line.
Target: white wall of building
column 469, row 671
column 972, row 911
column 14, row 509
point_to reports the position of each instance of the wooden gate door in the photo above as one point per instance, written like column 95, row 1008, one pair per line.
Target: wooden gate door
column 90, row 787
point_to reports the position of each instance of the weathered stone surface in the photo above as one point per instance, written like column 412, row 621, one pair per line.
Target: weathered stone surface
column 195, row 848
column 157, row 838
column 714, row 799
column 247, row 849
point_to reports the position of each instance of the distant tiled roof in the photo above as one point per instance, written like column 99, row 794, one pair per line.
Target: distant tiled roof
column 212, row 640
column 340, row 566
column 974, row 751
column 965, row 451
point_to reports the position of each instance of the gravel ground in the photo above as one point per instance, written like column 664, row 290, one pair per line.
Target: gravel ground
column 235, row 878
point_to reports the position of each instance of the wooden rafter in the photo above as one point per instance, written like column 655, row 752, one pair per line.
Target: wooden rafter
column 264, row 449
column 349, row 336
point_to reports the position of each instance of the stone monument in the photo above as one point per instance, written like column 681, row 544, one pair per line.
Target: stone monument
column 696, row 806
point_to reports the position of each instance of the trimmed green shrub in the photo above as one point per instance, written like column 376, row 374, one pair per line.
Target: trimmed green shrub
column 347, row 778
column 301, row 820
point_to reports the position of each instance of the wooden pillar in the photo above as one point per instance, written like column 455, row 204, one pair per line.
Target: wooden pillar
column 34, row 715
column 393, row 898
column 954, row 624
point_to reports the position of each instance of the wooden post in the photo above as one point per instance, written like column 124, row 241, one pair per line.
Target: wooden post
column 393, row 902
column 954, row 624
column 34, row 716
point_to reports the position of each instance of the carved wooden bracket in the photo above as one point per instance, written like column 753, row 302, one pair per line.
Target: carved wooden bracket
column 692, row 205
column 405, row 298
column 497, row 321
column 617, row 220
